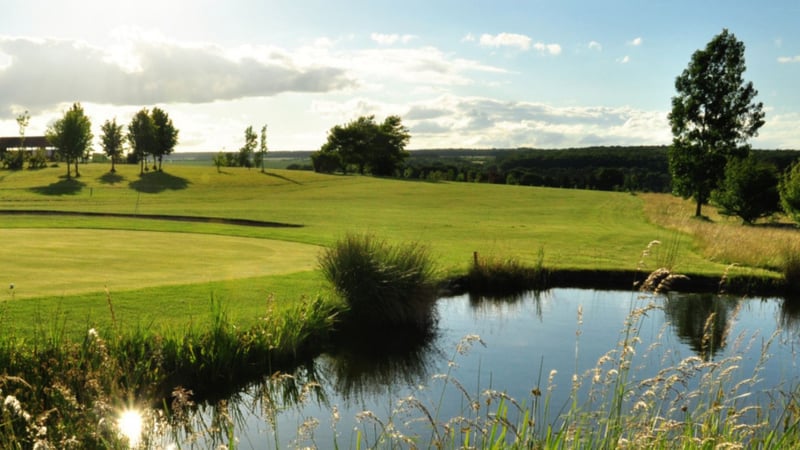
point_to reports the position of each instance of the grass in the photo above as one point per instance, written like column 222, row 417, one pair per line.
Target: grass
column 383, row 285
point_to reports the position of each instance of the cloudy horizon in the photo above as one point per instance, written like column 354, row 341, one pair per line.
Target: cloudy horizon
column 460, row 75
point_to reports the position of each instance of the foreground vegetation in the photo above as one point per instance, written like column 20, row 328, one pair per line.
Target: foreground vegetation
column 77, row 348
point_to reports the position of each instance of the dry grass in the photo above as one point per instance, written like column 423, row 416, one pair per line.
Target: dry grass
column 725, row 240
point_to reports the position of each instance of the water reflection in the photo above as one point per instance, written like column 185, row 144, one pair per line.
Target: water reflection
column 369, row 365
column 790, row 314
column 701, row 320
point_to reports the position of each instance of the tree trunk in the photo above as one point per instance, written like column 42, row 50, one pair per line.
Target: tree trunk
column 698, row 209
column 77, row 174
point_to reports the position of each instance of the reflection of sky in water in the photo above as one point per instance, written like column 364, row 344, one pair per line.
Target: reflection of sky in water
column 525, row 340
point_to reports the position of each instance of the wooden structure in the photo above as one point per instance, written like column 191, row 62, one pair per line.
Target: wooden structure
column 31, row 142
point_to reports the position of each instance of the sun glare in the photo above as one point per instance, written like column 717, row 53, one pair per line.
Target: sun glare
column 130, row 426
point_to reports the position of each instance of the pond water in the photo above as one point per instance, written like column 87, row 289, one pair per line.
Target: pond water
column 564, row 343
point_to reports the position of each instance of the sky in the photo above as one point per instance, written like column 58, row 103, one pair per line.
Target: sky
column 460, row 73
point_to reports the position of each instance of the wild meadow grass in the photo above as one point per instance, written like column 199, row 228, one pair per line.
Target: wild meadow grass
column 768, row 246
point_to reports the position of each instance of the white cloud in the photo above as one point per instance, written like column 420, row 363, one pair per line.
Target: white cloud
column 552, row 49
column 137, row 72
column 594, row 45
column 789, row 59
column 635, row 42
column 391, row 39
column 624, row 60
column 519, row 41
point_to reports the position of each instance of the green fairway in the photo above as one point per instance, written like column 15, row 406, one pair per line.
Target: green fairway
column 57, row 256
column 48, row 262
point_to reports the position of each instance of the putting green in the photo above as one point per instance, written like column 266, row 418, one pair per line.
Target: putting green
column 54, row 262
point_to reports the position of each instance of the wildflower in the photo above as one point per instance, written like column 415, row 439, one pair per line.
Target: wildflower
column 92, row 333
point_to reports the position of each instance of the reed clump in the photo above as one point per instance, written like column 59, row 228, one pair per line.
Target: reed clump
column 382, row 283
column 500, row 277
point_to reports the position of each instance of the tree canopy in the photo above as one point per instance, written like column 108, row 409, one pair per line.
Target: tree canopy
column 72, row 136
column 112, row 141
column 365, row 145
column 713, row 115
column 166, row 135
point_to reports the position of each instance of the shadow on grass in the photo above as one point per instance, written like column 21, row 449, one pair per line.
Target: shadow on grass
column 65, row 186
column 111, row 178
column 282, row 177
column 155, row 182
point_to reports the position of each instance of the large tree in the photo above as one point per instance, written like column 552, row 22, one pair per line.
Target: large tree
column 713, row 115
column 112, row 139
column 72, row 136
column 166, row 135
column 367, row 145
column 261, row 155
column 142, row 136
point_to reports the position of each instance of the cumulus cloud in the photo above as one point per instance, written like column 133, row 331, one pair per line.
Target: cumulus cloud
column 519, row 41
column 453, row 121
column 47, row 72
column 789, row 59
column 552, row 49
column 624, row 60
column 594, row 45
column 635, row 42
column 391, row 39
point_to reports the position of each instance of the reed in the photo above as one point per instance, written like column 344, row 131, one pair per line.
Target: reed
column 502, row 277
column 383, row 284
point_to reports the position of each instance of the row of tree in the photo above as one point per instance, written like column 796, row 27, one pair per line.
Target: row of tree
column 149, row 134
column 252, row 154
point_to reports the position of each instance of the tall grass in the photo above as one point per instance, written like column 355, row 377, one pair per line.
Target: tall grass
column 503, row 277
column 382, row 283
column 62, row 393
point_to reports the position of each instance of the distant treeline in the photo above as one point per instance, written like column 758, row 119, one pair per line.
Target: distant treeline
column 641, row 168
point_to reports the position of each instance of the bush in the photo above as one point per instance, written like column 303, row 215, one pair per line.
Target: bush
column 505, row 277
column 383, row 284
column 790, row 192
column 749, row 190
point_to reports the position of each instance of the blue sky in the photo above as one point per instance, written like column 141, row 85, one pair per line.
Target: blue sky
column 464, row 73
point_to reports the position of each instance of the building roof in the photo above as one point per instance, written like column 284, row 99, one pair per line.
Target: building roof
column 30, row 142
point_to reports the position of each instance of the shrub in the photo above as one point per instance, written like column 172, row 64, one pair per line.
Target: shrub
column 503, row 277
column 383, row 284
column 789, row 188
column 749, row 190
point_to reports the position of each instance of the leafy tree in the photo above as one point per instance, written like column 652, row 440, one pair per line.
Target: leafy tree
column 249, row 148
column 112, row 141
column 365, row 144
column 712, row 117
column 789, row 189
column 219, row 161
column 166, row 135
column 71, row 135
column 748, row 190
column 23, row 120
column 325, row 160
column 261, row 156
column 142, row 136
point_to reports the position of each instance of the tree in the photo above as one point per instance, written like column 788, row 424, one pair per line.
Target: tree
column 261, row 156
column 789, row 190
column 112, row 141
column 166, row 135
column 142, row 136
column 365, row 144
column 23, row 120
column 220, row 160
column 71, row 135
column 748, row 190
column 249, row 148
column 712, row 117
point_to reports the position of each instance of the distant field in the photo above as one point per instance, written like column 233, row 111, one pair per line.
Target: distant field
column 68, row 255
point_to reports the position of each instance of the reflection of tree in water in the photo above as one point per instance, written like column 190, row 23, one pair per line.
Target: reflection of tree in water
column 700, row 320
column 510, row 304
column 790, row 313
column 363, row 365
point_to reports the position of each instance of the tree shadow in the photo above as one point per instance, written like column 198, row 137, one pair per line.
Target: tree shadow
column 155, row 182
column 282, row 177
column 111, row 178
column 65, row 186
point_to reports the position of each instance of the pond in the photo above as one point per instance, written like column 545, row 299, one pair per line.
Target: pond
column 551, row 352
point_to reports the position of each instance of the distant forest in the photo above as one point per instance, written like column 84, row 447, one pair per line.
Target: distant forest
column 640, row 168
